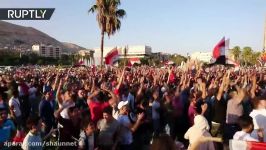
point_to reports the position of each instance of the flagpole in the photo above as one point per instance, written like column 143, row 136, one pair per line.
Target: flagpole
column 125, row 54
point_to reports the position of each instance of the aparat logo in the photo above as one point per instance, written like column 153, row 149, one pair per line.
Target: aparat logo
column 26, row 13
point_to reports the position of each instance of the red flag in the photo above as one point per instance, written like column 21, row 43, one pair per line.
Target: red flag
column 112, row 57
column 81, row 62
column 219, row 49
column 134, row 61
column 246, row 145
column 172, row 77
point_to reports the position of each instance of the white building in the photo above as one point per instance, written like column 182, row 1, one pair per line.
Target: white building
column 202, row 56
column 47, row 50
column 131, row 52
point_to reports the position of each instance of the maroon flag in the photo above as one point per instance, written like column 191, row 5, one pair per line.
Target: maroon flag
column 134, row 61
column 218, row 54
column 112, row 57
column 219, row 49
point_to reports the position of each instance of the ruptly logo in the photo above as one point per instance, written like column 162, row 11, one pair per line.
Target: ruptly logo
column 26, row 13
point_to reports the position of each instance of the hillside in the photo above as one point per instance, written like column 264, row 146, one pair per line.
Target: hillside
column 12, row 35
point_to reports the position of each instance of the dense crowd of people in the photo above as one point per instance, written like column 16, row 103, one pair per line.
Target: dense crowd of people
column 131, row 108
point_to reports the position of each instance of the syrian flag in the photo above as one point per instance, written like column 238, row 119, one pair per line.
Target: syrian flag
column 134, row 61
column 219, row 49
column 112, row 57
column 246, row 145
column 218, row 53
column 232, row 62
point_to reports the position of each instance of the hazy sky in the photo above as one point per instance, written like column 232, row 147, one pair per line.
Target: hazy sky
column 174, row 26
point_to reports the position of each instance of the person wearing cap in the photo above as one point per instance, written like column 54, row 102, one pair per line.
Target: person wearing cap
column 127, row 128
column 69, row 129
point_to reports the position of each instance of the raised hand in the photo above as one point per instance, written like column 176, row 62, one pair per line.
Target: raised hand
column 140, row 116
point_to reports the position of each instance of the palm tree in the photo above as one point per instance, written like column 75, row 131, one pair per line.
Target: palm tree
column 236, row 52
column 87, row 58
column 247, row 54
column 92, row 57
column 108, row 17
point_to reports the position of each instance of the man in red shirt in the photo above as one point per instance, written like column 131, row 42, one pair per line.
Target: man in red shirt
column 97, row 104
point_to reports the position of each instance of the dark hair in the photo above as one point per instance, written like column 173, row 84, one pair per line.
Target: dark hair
column 245, row 121
column 108, row 110
column 86, row 123
column 15, row 93
column 71, row 109
column 32, row 121
column 3, row 108
column 163, row 142
column 256, row 101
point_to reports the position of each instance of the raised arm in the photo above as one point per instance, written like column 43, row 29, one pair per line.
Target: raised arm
column 55, row 83
column 240, row 94
column 114, row 99
column 134, row 127
column 203, row 88
column 139, row 93
column 120, row 79
column 65, row 105
column 58, row 92
column 253, row 88
column 221, row 89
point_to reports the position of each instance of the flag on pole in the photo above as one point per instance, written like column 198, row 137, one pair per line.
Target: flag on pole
column 219, row 49
column 218, row 54
column 112, row 57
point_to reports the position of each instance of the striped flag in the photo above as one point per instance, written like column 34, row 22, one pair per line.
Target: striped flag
column 219, row 49
column 246, row 145
column 218, row 53
column 112, row 57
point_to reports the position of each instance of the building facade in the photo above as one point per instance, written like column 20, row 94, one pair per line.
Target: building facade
column 161, row 56
column 47, row 50
column 140, row 51
column 202, row 56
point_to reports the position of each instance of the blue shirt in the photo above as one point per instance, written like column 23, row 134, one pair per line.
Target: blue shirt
column 6, row 130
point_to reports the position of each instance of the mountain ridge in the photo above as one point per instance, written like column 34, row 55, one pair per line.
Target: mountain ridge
column 12, row 35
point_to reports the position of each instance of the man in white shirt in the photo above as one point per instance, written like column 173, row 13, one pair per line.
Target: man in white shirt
column 33, row 99
column 33, row 139
column 246, row 124
column 15, row 110
column 259, row 117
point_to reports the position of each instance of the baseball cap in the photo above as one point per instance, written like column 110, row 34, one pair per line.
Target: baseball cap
column 121, row 104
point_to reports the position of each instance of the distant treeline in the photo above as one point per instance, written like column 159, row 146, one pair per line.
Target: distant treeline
column 13, row 58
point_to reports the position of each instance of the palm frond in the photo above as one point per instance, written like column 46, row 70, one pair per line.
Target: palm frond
column 120, row 13
column 93, row 9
